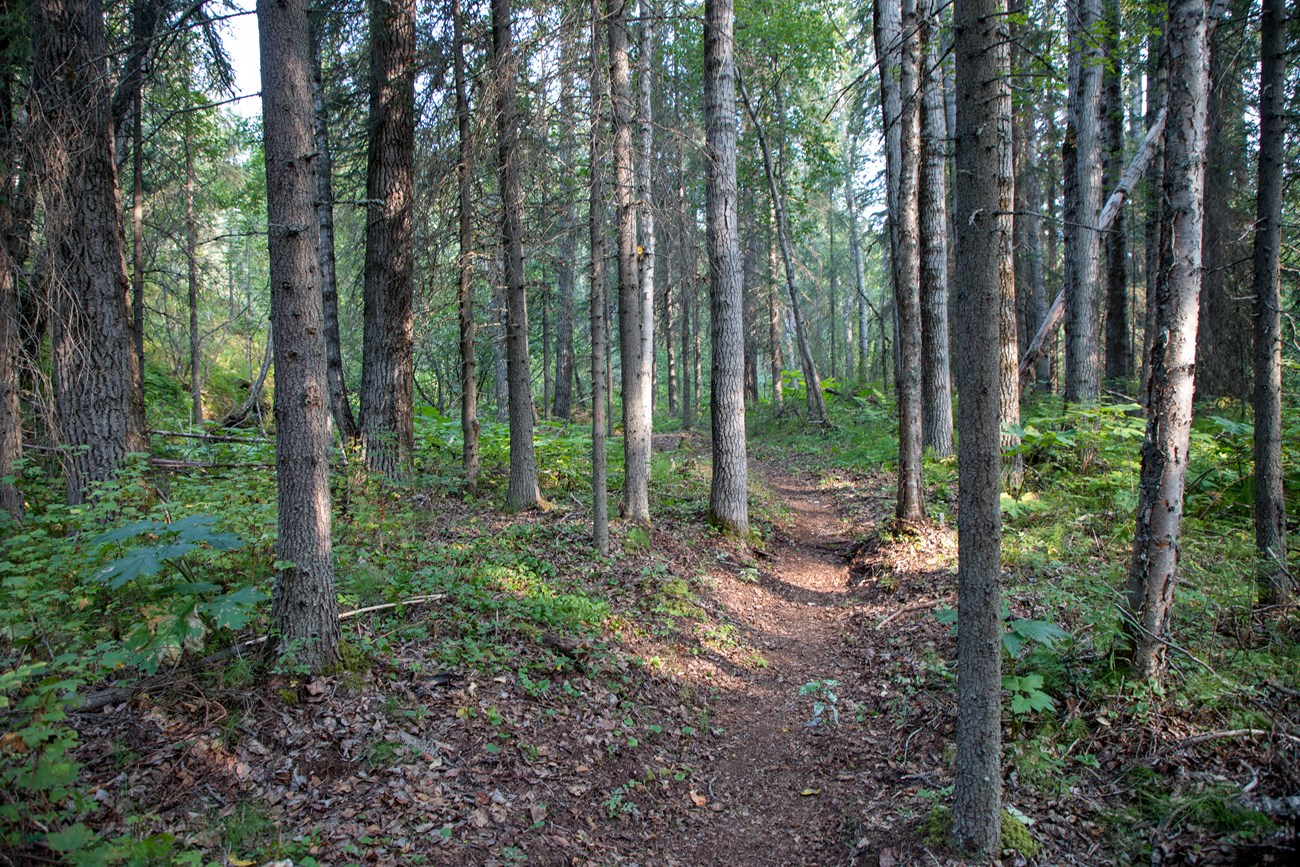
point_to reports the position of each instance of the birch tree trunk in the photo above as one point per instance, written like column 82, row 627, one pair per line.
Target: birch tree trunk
column 304, row 608
column 645, row 217
column 1153, row 570
column 984, row 199
column 387, row 372
column 728, row 496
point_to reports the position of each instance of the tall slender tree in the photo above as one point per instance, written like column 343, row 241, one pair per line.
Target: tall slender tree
column 1270, row 503
column 635, row 378
column 304, row 608
column 728, row 496
column 983, row 190
column 99, row 408
column 469, row 427
column 1170, row 386
column 1119, row 349
column 645, row 212
column 522, row 492
column 1083, row 202
column 387, row 367
column 599, row 322
column 565, row 269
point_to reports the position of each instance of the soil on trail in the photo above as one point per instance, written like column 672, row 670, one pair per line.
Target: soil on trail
column 778, row 788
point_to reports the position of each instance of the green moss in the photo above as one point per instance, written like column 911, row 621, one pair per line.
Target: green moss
column 937, row 831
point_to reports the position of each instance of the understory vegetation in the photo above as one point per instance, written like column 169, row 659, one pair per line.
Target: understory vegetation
column 515, row 647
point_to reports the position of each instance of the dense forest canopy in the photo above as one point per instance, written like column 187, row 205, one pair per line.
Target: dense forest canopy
column 529, row 410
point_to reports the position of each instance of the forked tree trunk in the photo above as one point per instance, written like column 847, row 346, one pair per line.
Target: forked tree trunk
column 635, row 382
column 936, row 378
column 728, row 495
column 387, row 371
column 340, row 407
column 304, row 608
column 1276, row 584
column 599, row 322
column 1153, row 571
column 984, row 199
column 465, row 265
column 522, row 491
column 1083, row 203
column 97, row 400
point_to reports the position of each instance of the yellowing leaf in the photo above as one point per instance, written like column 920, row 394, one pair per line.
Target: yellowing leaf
column 808, row 792
column 697, row 799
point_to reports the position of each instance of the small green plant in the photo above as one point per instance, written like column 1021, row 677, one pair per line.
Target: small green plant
column 825, row 709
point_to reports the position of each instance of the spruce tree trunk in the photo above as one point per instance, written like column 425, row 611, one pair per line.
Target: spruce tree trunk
column 304, row 608
column 387, row 371
column 984, row 200
column 469, row 426
column 522, row 492
column 340, row 407
column 599, row 322
column 1153, row 571
column 1157, row 72
column 728, row 496
column 936, row 379
column 1083, row 203
column 568, row 230
column 15, row 237
column 192, row 279
column 98, row 404
column 635, row 381
column 1276, row 584
column 1119, row 350
column 907, row 294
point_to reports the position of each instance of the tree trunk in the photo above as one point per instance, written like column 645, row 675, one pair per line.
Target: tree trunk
column 15, row 238
column 599, row 323
column 728, row 496
column 137, row 235
column 984, row 200
column 192, row 278
column 304, row 608
column 907, row 295
column 1083, row 202
column 859, row 281
column 522, row 492
column 568, row 230
column 936, row 379
column 340, row 407
column 465, row 264
column 97, row 400
column 387, row 372
column 1119, row 351
column 1276, row 584
column 1157, row 74
column 812, row 382
column 645, row 219
column 635, row 382
column 548, row 384
column 1153, row 570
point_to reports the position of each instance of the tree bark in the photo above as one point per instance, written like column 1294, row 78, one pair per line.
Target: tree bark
column 1083, row 203
column 1276, row 584
column 1157, row 74
column 192, row 277
column 15, row 238
column 97, row 401
column 936, row 378
column 728, row 496
column 562, row 398
column 1119, row 350
column 645, row 215
column 984, row 199
column 522, row 491
column 907, row 294
column 304, row 608
column 635, row 382
column 599, row 323
column 469, row 426
column 387, row 372
column 1153, row 571
column 340, row 407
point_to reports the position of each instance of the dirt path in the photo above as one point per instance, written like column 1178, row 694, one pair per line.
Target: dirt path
column 781, row 790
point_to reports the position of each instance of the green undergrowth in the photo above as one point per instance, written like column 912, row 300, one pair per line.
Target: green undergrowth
column 1067, row 537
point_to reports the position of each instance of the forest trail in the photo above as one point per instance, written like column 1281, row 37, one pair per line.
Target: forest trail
column 780, row 790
